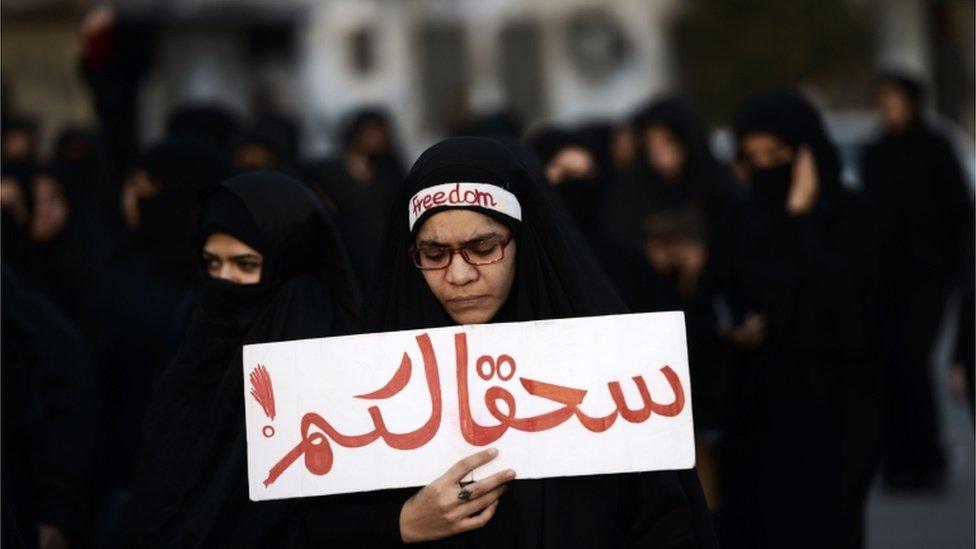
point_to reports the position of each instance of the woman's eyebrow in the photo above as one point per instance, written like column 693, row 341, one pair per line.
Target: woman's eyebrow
column 435, row 244
column 245, row 256
column 481, row 237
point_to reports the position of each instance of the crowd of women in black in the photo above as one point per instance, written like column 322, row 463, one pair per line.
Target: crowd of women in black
column 132, row 279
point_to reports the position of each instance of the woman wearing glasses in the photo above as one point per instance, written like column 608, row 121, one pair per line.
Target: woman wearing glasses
column 473, row 238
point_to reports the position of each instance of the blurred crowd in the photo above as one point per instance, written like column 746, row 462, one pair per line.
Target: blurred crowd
column 811, row 310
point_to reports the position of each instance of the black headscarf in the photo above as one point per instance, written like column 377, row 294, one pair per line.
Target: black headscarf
column 206, row 122
column 583, row 195
column 912, row 88
column 791, row 118
column 555, row 277
column 701, row 178
column 65, row 267
column 183, row 167
column 703, row 182
column 388, row 160
column 193, row 481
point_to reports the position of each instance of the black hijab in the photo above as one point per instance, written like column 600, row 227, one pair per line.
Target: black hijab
column 703, row 182
column 211, row 123
column 65, row 267
column 582, row 195
column 192, row 490
column 912, row 89
column 555, row 276
column 791, row 118
column 183, row 167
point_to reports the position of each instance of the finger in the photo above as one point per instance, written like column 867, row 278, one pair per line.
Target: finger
column 475, row 506
column 461, row 469
column 488, row 484
column 478, row 520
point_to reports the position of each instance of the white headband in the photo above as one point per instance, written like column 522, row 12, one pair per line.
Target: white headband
column 481, row 195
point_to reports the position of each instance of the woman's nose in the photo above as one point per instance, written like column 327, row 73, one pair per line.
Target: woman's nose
column 459, row 271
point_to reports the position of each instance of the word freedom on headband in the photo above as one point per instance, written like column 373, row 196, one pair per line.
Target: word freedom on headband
column 460, row 195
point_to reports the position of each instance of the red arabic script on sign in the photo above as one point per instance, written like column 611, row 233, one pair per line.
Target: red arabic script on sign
column 317, row 434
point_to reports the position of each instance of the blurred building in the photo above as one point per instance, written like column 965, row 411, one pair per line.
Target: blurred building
column 433, row 62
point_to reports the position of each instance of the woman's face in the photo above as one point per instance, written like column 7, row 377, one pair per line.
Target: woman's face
column 765, row 150
column 227, row 258
column 664, row 151
column 50, row 208
column 895, row 107
column 136, row 187
column 471, row 294
column 571, row 163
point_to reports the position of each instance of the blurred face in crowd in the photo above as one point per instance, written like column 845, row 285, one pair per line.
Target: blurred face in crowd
column 896, row 109
column 137, row 187
column 50, row 208
column 622, row 148
column 765, row 150
column 227, row 258
column 372, row 138
column 254, row 156
column 683, row 256
column 18, row 146
column 665, row 152
column 13, row 199
column 471, row 294
column 571, row 163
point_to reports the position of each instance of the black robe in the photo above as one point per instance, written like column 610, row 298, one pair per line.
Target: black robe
column 917, row 185
column 555, row 279
column 803, row 438
column 49, row 402
column 191, row 488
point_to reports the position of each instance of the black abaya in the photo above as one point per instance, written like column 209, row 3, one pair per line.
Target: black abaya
column 804, row 435
column 916, row 183
column 192, row 488
column 49, row 400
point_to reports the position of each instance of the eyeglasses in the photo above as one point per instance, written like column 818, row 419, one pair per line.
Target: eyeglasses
column 482, row 252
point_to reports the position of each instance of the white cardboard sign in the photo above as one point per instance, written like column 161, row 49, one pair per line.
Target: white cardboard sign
column 569, row 397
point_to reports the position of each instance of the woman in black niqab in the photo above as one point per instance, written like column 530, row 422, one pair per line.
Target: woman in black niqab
column 554, row 278
column 801, row 278
column 192, row 485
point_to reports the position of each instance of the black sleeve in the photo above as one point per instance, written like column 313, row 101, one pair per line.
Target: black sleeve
column 63, row 394
column 370, row 519
column 663, row 510
column 113, row 63
column 956, row 205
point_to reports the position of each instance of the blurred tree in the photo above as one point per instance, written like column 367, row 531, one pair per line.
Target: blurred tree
column 730, row 50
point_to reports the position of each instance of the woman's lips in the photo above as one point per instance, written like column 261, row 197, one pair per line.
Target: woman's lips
column 464, row 302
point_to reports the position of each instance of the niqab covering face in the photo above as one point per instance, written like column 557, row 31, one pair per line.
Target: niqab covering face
column 193, row 483
column 793, row 120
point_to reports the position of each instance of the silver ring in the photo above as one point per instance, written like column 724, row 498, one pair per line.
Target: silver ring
column 464, row 494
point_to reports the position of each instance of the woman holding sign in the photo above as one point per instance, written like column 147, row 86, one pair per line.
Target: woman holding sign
column 273, row 270
column 472, row 239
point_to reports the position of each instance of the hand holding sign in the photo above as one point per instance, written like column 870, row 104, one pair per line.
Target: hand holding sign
column 436, row 511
